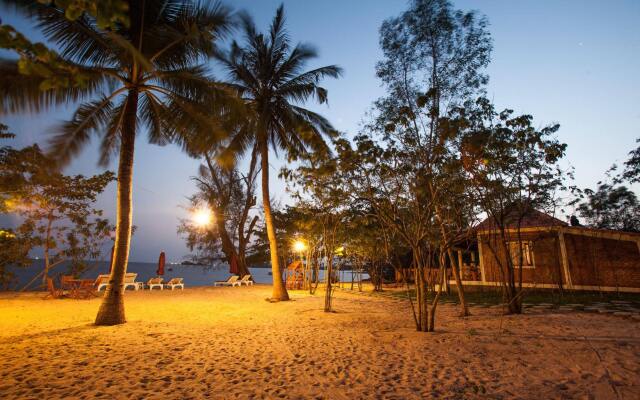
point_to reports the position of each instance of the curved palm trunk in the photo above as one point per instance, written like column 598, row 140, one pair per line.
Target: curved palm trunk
column 228, row 248
column 279, row 290
column 111, row 310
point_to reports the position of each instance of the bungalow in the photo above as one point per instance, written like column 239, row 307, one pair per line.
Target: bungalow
column 554, row 255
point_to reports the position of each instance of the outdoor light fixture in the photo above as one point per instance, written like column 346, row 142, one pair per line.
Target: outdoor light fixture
column 299, row 246
column 202, row 217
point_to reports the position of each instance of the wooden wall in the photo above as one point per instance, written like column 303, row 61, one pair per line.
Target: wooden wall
column 603, row 262
column 593, row 261
column 546, row 254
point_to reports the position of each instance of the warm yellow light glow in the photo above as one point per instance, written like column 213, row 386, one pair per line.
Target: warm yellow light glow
column 6, row 234
column 202, row 217
column 299, row 246
column 340, row 250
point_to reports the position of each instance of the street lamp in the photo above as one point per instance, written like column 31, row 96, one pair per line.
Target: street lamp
column 299, row 246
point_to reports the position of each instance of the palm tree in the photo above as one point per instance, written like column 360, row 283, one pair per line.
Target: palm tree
column 151, row 74
column 267, row 72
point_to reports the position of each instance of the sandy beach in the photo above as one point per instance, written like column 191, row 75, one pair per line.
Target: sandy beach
column 228, row 343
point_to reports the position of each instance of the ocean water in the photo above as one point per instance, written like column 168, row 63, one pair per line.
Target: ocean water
column 193, row 275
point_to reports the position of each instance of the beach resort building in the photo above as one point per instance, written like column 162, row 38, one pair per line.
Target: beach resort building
column 551, row 254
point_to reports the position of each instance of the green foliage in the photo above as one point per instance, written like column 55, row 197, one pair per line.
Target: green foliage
column 434, row 59
column 631, row 172
column 14, row 252
column 507, row 161
column 38, row 61
column 611, row 207
column 4, row 132
column 56, row 210
column 276, row 116
column 230, row 194
column 163, row 70
column 107, row 13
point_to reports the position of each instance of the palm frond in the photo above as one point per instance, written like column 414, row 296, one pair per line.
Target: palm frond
column 111, row 139
column 78, row 40
column 190, row 37
column 22, row 93
column 71, row 136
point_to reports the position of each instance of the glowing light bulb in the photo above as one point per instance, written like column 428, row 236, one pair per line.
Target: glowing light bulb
column 299, row 246
column 202, row 217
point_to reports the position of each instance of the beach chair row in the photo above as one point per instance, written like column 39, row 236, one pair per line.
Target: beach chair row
column 234, row 280
column 130, row 282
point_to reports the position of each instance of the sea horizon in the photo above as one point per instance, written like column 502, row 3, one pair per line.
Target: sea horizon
column 193, row 275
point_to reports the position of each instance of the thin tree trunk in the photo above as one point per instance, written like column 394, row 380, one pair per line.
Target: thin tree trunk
column 47, row 262
column 228, row 248
column 111, row 310
column 456, row 274
column 279, row 290
column 329, row 287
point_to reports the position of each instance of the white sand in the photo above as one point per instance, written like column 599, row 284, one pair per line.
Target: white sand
column 229, row 343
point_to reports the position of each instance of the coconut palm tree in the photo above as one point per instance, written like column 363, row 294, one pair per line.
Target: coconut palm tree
column 268, row 73
column 150, row 74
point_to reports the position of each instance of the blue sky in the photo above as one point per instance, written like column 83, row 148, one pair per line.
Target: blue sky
column 571, row 62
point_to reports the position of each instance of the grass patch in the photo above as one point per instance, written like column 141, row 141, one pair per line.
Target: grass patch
column 488, row 297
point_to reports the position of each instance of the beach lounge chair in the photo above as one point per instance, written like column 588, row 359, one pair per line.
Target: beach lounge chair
column 155, row 282
column 246, row 280
column 174, row 283
column 130, row 280
column 234, row 280
column 54, row 293
column 102, row 281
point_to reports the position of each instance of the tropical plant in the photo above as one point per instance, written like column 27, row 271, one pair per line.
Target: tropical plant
column 149, row 73
column 317, row 187
column 4, row 132
column 511, row 169
column 611, row 207
column 267, row 72
column 230, row 194
column 56, row 210
column 631, row 171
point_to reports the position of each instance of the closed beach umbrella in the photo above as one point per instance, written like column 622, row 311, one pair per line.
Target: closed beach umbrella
column 160, row 270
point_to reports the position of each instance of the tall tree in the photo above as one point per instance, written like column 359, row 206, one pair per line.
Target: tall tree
column 57, row 210
column 318, row 188
column 230, row 195
column 434, row 60
column 268, row 73
column 631, row 171
column 611, row 207
column 512, row 169
column 149, row 72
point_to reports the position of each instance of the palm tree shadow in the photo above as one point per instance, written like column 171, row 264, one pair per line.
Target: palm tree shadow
column 53, row 332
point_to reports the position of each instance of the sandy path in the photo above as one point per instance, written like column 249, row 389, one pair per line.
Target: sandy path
column 229, row 343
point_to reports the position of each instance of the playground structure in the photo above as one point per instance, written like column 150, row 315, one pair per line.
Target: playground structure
column 294, row 275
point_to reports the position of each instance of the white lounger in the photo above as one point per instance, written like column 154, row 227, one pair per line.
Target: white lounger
column 130, row 280
column 174, row 283
column 234, row 280
column 246, row 280
column 155, row 282
column 102, row 281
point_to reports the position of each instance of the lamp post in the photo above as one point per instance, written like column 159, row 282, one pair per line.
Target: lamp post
column 299, row 246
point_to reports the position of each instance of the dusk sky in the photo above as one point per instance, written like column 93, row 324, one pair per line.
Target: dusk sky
column 571, row 62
